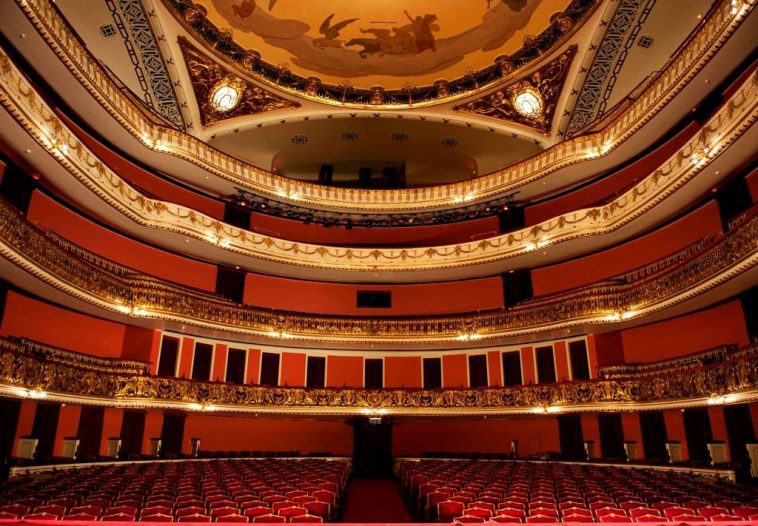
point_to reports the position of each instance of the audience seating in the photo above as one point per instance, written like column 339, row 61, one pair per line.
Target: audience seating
column 537, row 492
column 223, row 490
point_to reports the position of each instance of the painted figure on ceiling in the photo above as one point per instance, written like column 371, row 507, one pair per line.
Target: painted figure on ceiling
column 410, row 39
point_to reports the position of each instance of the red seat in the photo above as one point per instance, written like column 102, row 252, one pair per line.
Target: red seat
column 722, row 518
column 41, row 517
column 469, row 519
column 226, row 510
column 232, row 518
column 292, row 511
column 157, row 517
column 744, row 511
column 614, row 518
column 256, row 511
column 316, row 507
column 505, row 519
column 195, row 517
column 648, row 518
column 306, row 518
column 123, row 517
column 447, row 510
column 541, row 518
column 190, row 510
column 477, row 512
column 269, row 518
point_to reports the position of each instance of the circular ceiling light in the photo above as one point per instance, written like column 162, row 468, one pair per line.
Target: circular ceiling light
column 226, row 94
column 528, row 102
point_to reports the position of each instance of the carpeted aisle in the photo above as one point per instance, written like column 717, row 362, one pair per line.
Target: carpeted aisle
column 375, row 500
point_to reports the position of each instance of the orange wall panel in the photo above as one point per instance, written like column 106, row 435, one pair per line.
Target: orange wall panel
column 140, row 343
column 718, row 424
column 687, row 334
column 629, row 256
column 591, row 432
column 273, row 292
column 153, row 427
column 344, row 371
column 219, row 362
column 402, row 371
column 535, row 435
column 121, row 249
column 633, row 431
column 495, row 368
column 219, row 433
column 442, row 234
column 292, row 371
column 528, row 369
column 186, row 356
column 112, row 419
column 68, row 426
column 25, row 422
column 36, row 320
column 561, row 362
column 454, row 370
column 675, row 429
column 253, row 366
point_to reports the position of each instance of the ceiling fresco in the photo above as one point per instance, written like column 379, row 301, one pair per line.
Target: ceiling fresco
column 390, row 43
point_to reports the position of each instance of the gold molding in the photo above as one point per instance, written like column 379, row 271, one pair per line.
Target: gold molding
column 24, row 374
column 712, row 34
column 547, row 82
column 118, row 289
column 734, row 118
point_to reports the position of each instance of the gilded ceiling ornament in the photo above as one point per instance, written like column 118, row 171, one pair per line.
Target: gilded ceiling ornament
column 221, row 95
column 530, row 101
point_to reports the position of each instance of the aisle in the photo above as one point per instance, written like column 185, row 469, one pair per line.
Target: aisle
column 375, row 500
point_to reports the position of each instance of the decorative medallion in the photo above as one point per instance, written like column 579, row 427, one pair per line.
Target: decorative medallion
column 530, row 101
column 221, row 95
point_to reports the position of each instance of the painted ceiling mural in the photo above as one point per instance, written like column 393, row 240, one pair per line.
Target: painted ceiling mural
column 382, row 42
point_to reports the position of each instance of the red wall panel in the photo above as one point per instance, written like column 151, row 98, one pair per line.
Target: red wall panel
column 752, row 184
column 633, row 431
column 402, row 371
column 454, row 370
column 59, row 219
column 495, row 368
column 139, row 343
column 219, row 433
column 528, row 369
column 292, row 370
column 535, row 435
column 344, row 371
column 112, row 419
column 68, row 426
column 253, row 366
column 28, row 318
column 186, row 356
column 687, row 334
column 630, row 255
column 591, row 432
column 561, row 362
column 337, row 298
column 25, row 422
column 153, row 427
column 675, row 429
column 443, row 234
column 611, row 185
column 219, row 362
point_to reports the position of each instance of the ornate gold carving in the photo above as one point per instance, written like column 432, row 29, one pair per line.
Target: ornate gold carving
column 120, row 289
column 712, row 33
column 21, row 368
column 207, row 76
column 547, row 82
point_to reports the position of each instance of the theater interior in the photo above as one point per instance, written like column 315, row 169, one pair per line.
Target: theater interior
column 420, row 261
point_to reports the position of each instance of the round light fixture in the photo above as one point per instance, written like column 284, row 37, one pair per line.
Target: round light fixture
column 225, row 94
column 527, row 101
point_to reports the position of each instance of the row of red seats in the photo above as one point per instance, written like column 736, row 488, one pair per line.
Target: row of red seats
column 505, row 491
column 271, row 490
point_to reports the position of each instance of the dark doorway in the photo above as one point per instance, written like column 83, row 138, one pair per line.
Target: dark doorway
column 739, row 431
column 372, row 447
column 697, row 429
column 571, row 437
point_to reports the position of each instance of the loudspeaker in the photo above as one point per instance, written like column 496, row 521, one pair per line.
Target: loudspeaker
column 230, row 283
column 374, row 299
column 326, row 174
column 733, row 199
column 511, row 219
column 364, row 176
column 517, row 286
column 237, row 215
